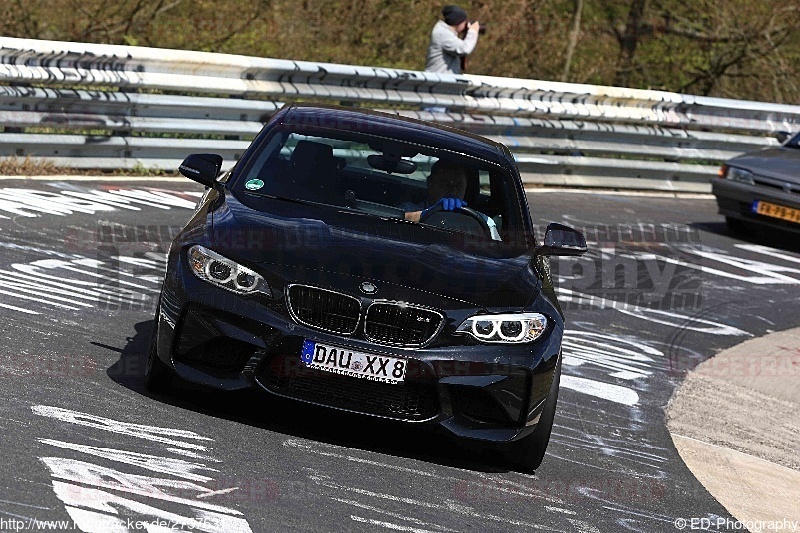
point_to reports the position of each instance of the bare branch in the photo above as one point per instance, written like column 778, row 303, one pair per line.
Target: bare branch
column 573, row 39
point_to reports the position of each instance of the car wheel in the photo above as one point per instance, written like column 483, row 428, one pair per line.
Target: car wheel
column 736, row 225
column 157, row 375
column 527, row 454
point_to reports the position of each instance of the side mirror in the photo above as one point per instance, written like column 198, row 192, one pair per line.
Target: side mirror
column 782, row 136
column 202, row 168
column 562, row 240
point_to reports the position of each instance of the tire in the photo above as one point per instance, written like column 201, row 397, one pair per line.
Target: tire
column 527, row 453
column 157, row 375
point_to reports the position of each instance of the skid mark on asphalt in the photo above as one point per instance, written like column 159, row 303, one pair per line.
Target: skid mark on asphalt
column 631, row 452
column 621, row 443
column 19, row 504
column 623, row 357
column 681, row 321
column 18, row 309
column 602, row 390
column 629, row 362
column 327, row 484
column 31, row 203
column 401, row 512
column 770, row 252
column 503, row 486
column 36, row 250
column 664, row 282
column 624, row 361
column 165, row 465
column 395, row 527
column 120, row 282
column 748, row 270
column 100, row 498
column 633, row 519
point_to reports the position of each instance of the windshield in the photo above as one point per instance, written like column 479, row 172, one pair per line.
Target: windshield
column 386, row 178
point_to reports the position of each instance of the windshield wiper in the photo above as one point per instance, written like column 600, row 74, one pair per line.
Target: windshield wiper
column 354, row 206
column 293, row 200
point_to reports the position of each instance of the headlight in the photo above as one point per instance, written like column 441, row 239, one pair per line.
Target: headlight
column 221, row 271
column 511, row 328
column 740, row 175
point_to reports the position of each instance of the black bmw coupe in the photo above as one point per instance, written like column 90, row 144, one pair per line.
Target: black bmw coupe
column 374, row 264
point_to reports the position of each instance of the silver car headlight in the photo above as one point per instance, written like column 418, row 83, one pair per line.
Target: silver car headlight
column 514, row 328
column 223, row 272
column 739, row 174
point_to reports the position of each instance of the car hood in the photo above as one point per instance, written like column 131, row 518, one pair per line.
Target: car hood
column 780, row 163
column 338, row 249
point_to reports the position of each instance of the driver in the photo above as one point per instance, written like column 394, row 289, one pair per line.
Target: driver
column 447, row 185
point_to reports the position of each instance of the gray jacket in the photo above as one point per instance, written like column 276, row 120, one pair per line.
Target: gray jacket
column 446, row 49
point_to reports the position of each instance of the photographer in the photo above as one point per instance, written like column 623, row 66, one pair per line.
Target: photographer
column 446, row 49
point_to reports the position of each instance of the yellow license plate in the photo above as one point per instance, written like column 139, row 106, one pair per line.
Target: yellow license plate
column 777, row 211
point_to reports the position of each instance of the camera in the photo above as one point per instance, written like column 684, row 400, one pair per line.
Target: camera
column 481, row 27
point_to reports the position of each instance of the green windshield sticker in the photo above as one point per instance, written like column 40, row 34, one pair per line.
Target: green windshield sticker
column 254, row 184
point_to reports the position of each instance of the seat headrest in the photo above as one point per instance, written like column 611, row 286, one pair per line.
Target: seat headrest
column 310, row 153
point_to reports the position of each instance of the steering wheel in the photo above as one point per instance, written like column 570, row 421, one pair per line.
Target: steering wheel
column 466, row 211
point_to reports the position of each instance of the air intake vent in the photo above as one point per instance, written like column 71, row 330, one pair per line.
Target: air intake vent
column 413, row 402
column 401, row 324
column 323, row 309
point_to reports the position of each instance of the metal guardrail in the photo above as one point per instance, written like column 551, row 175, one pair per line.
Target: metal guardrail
column 103, row 107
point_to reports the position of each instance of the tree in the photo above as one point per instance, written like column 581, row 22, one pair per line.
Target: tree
column 737, row 40
column 737, row 48
column 573, row 39
column 628, row 38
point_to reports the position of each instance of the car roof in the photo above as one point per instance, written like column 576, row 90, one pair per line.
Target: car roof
column 395, row 126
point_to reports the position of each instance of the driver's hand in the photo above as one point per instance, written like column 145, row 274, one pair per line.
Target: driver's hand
column 448, row 204
column 451, row 204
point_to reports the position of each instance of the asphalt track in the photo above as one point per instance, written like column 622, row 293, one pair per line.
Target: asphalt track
column 83, row 443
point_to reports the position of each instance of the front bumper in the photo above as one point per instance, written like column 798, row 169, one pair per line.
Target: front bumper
column 735, row 200
column 492, row 393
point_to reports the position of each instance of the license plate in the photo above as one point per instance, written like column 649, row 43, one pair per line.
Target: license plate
column 351, row 363
column 776, row 211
